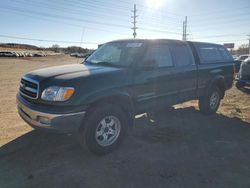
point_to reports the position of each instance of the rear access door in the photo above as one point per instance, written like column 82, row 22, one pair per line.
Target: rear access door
column 174, row 78
column 186, row 73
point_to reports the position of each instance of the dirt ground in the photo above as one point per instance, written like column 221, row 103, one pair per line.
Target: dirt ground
column 182, row 149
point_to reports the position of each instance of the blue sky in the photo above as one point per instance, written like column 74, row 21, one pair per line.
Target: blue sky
column 68, row 22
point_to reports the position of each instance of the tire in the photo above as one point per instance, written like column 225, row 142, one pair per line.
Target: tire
column 104, row 129
column 239, row 85
column 210, row 103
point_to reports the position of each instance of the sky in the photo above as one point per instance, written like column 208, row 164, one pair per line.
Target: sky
column 87, row 23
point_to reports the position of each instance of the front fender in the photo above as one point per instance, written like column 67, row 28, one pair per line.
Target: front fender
column 116, row 97
column 108, row 93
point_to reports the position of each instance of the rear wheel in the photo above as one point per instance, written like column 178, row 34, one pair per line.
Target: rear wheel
column 104, row 129
column 210, row 103
column 240, row 85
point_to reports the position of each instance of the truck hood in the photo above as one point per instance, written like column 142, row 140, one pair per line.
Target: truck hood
column 68, row 72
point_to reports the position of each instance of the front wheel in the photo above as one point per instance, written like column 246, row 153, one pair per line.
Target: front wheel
column 210, row 103
column 103, row 129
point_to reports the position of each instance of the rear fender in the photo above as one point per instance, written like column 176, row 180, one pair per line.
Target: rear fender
column 218, row 81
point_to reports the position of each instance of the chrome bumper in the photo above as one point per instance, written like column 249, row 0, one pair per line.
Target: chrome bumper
column 62, row 123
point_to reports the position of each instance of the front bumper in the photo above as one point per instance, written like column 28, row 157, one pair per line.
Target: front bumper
column 60, row 123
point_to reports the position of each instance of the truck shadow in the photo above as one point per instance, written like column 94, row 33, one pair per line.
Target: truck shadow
column 181, row 147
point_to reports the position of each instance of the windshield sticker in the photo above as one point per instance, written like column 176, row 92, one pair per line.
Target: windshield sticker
column 134, row 45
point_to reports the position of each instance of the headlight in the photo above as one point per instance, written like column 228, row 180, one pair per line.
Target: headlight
column 56, row 93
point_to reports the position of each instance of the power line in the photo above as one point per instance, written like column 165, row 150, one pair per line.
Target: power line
column 219, row 11
column 66, row 23
column 91, row 5
column 65, row 17
column 223, row 20
column 221, row 41
column 160, row 31
column 233, row 15
column 158, row 21
column 199, row 15
column 68, row 9
column 81, row 20
column 45, row 40
column 219, row 36
column 72, row 19
column 97, row 13
column 98, row 4
column 144, row 6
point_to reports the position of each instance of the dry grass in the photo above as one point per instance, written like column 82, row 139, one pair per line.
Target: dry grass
column 11, row 70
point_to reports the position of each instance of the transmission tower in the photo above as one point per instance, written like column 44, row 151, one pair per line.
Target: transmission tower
column 134, row 28
column 184, row 34
column 248, row 44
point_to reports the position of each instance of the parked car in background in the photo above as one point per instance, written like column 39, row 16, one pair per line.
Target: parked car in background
column 21, row 54
column 99, row 98
column 243, row 78
column 2, row 54
column 237, row 64
column 243, row 57
column 38, row 54
column 235, row 57
column 16, row 54
column 73, row 54
column 79, row 55
column 8, row 54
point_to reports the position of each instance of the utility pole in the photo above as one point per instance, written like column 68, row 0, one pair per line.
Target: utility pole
column 248, row 44
column 83, row 31
column 184, row 35
column 134, row 21
column 183, row 31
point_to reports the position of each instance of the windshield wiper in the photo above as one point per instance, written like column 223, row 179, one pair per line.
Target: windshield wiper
column 104, row 63
column 87, row 62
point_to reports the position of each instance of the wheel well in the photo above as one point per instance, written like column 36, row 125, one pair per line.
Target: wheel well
column 221, row 86
column 122, row 101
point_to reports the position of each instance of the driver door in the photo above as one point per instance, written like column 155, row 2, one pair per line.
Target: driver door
column 155, row 86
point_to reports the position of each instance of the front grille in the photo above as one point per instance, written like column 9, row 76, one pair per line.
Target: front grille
column 29, row 88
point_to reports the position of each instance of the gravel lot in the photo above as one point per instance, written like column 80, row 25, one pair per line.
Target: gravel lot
column 182, row 149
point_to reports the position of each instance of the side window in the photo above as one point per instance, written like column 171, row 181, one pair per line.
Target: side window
column 209, row 53
column 181, row 54
column 159, row 53
column 225, row 54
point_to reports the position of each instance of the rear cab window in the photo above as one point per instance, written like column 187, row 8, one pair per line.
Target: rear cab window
column 181, row 54
column 212, row 53
column 170, row 54
column 225, row 53
column 160, row 53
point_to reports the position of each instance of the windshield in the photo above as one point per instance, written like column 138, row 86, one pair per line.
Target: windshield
column 120, row 54
column 247, row 60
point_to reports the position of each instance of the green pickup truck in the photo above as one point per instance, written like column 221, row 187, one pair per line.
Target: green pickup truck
column 99, row 98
